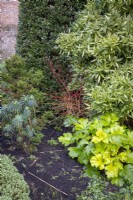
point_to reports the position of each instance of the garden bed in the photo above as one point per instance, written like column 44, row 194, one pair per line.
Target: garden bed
column 50, row 164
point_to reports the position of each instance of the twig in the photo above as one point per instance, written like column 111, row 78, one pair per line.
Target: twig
column 51, row 151
column 34, row 162
column 48, row 184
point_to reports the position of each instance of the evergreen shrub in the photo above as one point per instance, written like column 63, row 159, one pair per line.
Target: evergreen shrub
column 39, row 26
column 116, row 94
column 17, row 81
column 13, row 186
column 100, row 46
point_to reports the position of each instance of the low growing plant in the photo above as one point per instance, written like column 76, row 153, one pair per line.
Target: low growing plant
column 99, row 188
column 53, row 142
column 102, row 144
column 13, row 186
column 19, row 122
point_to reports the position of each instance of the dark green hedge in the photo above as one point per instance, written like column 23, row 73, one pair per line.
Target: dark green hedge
column 39, row 26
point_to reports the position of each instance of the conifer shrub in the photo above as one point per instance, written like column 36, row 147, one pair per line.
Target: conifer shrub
column 100, row 47
column 13, row 185
column 17, row 81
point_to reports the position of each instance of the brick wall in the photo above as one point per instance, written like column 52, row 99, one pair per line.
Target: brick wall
column 8, row 27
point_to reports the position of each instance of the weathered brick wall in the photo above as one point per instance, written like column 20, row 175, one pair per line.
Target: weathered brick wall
column 8, row 27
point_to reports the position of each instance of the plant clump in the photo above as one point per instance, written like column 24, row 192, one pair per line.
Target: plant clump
column 102, row 144
column 99, row 188
column 65, row 101
column 13, row 186
column 20, row 124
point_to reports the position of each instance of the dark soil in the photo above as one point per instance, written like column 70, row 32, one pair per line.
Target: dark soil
column 51, row 164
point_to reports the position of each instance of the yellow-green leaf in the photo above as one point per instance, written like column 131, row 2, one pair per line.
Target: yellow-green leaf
column 118, row 181
column 130, row 157
column 113, row 169
column 97, row 161
column 66, row 139
column 122, row 156
column 100, row 136
column 106, row 157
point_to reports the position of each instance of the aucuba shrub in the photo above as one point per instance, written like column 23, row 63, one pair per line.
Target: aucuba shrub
column 20, row 124
column 13, row 185
column 102, row 144
column 100, row 47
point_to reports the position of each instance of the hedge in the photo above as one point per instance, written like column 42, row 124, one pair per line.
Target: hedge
column 39, row 26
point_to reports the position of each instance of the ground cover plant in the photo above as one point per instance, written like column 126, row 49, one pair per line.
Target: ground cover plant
column 98, row 188
column 102, row 144
column 13, row 186
column 100, row 47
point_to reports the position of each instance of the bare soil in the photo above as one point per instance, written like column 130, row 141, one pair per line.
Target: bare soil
column 50, row 164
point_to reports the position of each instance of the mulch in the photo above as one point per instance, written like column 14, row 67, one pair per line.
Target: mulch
column 50, row 173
